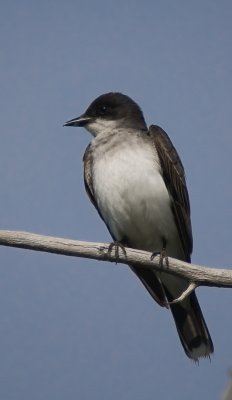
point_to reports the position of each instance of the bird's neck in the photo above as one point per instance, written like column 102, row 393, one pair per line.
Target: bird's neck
column 112, row 140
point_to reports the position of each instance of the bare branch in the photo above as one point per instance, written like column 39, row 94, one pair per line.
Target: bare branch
column 191, row 287
column 196, row 275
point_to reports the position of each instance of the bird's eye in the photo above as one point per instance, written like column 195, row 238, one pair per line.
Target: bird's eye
column 103, row 110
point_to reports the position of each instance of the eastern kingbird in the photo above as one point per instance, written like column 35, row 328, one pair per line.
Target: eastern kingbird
column 135, row 179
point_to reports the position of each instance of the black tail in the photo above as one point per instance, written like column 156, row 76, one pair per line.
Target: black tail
column 191, row 327
column 187, row 314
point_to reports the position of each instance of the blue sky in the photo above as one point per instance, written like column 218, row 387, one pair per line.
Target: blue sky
column 73, row 328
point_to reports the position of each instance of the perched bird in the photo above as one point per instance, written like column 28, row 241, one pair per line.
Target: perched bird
column 135, row 179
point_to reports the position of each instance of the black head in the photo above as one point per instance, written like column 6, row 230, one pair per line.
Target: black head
column 108, row 109
column 115, row 106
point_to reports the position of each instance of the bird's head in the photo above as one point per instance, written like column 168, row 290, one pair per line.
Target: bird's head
column 110, row 111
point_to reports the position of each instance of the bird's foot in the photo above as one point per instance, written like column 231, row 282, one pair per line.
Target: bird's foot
column 154, row 254
column 116, row 246
column 163, row 256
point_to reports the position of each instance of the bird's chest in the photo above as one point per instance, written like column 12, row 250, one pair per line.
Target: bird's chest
column 130, row 192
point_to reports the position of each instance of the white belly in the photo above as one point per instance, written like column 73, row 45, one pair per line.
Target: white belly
column 133, row 199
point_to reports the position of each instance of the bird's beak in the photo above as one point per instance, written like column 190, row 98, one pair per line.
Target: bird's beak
column 79, row 121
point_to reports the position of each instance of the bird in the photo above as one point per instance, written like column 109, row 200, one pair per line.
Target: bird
column 134, row 177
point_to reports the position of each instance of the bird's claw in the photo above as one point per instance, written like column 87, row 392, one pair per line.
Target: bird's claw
column 163, row 256
column 116, row 245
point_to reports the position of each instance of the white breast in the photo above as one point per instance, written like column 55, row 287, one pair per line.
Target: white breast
column 133, row 199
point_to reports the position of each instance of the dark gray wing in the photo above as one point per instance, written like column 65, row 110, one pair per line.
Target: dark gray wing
column 174, row 177
column 88, row 178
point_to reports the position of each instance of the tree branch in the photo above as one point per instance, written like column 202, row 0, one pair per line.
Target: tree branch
column 191, row 287
column 195, row 274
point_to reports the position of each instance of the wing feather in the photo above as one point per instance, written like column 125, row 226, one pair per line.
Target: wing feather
column 174, row 177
